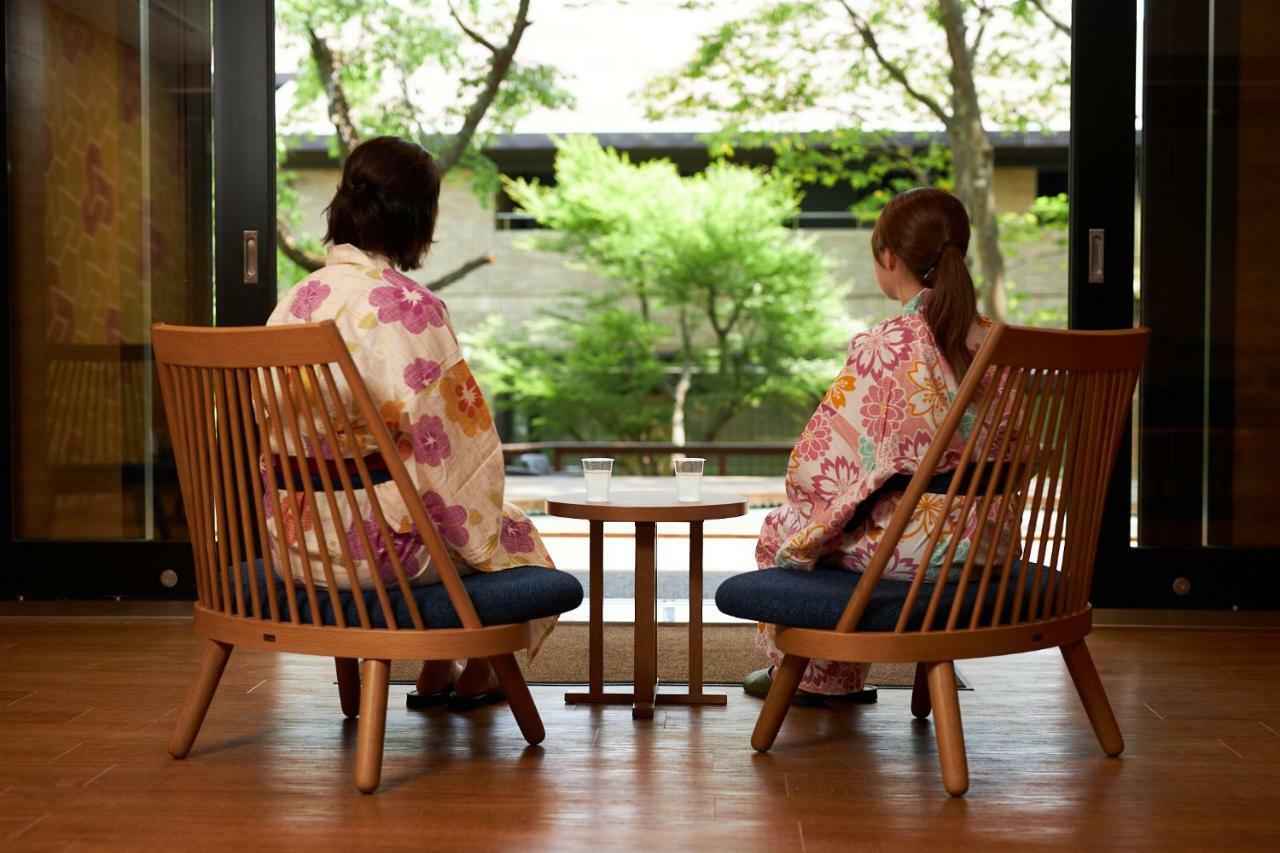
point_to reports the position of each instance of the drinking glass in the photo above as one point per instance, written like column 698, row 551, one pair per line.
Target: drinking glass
column 689, row 479
column 597, row 471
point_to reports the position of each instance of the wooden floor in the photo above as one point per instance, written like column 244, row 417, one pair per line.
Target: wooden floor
column 85, row 709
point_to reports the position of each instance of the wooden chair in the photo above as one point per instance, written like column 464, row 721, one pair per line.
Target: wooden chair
column 231, row 396
column 1065, row 399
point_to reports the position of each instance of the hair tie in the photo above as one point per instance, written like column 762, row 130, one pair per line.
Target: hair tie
column 946, row 244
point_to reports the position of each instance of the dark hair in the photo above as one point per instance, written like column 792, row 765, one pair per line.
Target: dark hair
column 387, row 201
column 928, row 230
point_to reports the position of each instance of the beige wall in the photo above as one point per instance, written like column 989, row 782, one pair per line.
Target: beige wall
column 521, row 281
column 1015, row 188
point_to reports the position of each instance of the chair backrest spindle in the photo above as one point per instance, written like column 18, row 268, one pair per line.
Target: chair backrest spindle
column 273, row 470
column 1018, row 526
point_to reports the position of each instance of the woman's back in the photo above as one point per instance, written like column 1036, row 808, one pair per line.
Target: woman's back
column 876, row 422
column 381, row 221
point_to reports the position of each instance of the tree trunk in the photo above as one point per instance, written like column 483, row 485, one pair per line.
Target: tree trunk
column 677, row 406
column 722, row 420
column 974, row 160
column 339, row 108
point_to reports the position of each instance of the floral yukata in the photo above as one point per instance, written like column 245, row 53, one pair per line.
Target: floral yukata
column 877, row 420
column 402, row 342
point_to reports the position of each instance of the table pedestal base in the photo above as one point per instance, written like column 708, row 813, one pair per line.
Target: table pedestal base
column 645, row 512
column 644, row 711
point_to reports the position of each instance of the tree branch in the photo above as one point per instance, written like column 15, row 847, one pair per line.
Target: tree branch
column 461, row 272
column 984, row 15
column 472, row 34
column 327, row 66
column 892, row 68
column 498, row 68
column 409, row 106
column 1061, row 25
column 292, row 250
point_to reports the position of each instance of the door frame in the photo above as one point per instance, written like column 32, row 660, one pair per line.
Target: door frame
column 243, row 114
column 1103, row 163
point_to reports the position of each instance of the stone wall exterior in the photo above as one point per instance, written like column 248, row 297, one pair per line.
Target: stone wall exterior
column 520, row 282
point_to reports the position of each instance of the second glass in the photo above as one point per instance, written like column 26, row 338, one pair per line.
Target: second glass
column 597, row 472
column 689, row 479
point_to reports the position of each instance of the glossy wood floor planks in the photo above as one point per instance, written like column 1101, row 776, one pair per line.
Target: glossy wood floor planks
column 86, row 709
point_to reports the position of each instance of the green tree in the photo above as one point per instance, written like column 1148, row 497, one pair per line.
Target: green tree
column 747, row 307
column 425, row 71
column 957, row 63
column 589, row 371
column 1037, row 240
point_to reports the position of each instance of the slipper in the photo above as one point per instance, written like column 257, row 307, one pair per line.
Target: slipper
column 459, row 702
column 758, row 683
column 418, row 701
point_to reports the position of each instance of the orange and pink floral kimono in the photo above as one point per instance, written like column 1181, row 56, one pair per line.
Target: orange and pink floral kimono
column 402, row 342
column 877, row 420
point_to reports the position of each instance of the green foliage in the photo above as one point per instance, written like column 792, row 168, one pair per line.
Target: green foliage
column 393, row 57
column 868, row 67
column 408, row 70
column 288, row 207
column 746, row 307
column 790, row 58
column 588, row 373
column 1036, row 240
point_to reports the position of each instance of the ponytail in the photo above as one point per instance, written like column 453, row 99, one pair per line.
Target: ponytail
column 952, row 307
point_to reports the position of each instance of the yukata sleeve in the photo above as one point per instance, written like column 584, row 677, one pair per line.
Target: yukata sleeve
column 862, row 434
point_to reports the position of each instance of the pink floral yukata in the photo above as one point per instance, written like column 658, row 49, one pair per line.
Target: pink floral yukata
column 402, row 342
column 877, row 420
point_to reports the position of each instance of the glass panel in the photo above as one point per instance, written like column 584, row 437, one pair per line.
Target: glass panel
column 869, row 136
column 1209, row 437
column 109, row 144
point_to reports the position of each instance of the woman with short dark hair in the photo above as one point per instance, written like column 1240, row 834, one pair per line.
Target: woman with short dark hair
column 381, row 222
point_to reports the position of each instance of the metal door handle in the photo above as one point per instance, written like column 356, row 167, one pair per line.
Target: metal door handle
column 251, row 257
column 1097, row 254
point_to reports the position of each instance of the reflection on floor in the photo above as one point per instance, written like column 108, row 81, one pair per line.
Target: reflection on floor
column 85, row 708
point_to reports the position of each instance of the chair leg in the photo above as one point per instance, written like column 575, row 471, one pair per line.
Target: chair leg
column 947, row 727
column 786, row 679
column 920, row 704
column 213, row 660
column 376, row 678
column 349, row 685
column 518, row 697
column 1085, row 676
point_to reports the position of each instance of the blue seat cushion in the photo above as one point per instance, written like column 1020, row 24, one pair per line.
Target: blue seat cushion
column 511, row 595
column 816, row 598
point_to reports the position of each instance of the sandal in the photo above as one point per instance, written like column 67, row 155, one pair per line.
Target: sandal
column 758, row 683
column 418, row 701
column 460, row 702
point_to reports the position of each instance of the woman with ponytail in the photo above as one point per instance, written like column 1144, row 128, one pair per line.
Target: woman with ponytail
column 877, row 421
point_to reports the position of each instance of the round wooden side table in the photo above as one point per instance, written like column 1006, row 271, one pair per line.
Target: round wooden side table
column 645, row 510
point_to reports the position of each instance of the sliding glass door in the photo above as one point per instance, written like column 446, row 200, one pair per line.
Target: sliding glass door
column 1192, row 521
column 109, row 110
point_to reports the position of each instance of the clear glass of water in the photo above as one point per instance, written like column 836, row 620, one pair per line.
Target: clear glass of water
column 597, row 470
column 689, row 479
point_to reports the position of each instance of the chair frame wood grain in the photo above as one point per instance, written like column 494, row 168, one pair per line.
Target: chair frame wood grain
column 1051, row 407
column 242, row 402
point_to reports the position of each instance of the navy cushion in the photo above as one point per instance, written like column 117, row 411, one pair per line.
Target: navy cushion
column 817, row 598
column 511, row 595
